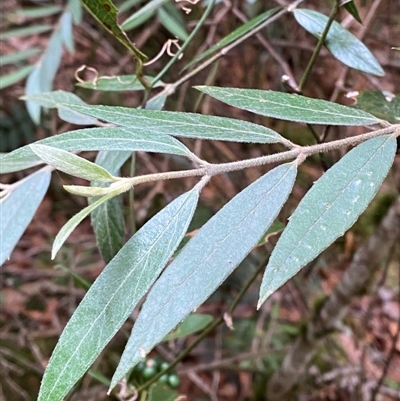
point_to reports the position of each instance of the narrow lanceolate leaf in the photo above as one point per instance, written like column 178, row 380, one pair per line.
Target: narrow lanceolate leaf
column 108, row 219
column 41, row 78
column 72, row 223
column 114, row 294
column 189, row 125
column 236, row 34
column 290, row 107
column 54, row 99
column 142, row 14
column 206, row 261
column 331, row 207
column 15, row 76
column 110, row 138
column 106, row 13
column 340, row 42
column 71, row 164
column 18, row 208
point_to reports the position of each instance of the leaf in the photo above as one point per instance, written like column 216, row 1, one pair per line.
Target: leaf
column 105, row 12
column 66, row 32
column 55, row 99
column 162, row 392
column 170, row 23
column 15, row 76
column 34, row 12
column 206, row 261
column 142, row 15
column 352, row 10
column 381, row 104
column 76, row 11
column 71, row 164
column 41, row 78
column 14, row 58
column 193, row 323
column 340, row 42
column 27, row 31
column 117, row 83
column 108, row 219
column 18, row 208
column 234, row 35
column 72, row 223
column 328, row 209
column 188, row 125
column 88, row 139
column 114, row 295
column 290, row 107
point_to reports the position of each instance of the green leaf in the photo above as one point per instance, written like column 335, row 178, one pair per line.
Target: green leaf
column 143, row 14
column 14, row 58
column 108, row 219
column 206, row 261
column 171, row 23
column 290, row 107
column 114, row 295
column 15, row 76
column 188, row 125
column 28, row 31
column 328, row 209
column 18, row 208
column 162, row 392
column 55, row 99
column 89, row 139
column 117, row 83
column 340, row 42
column 34, row 12
column 381, row 104
column 105, row 12
column 352, row 10
column 234, row 35
column 193, row 323
column 71, row 164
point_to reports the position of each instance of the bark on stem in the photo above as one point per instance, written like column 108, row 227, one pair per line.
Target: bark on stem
column 354, row 282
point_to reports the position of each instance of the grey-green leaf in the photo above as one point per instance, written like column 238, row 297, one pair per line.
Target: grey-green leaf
column 71, row 164
column 18, row 208
column 328, row 209
column 114, row 294
column 236, row 34
column 72, row 223
column 188, row 125
column 55, row 99
column 206, row 261
column 15, row 76
column 340, row 42
column 110, row 138
column 17, row 57
column 108, row 219
column 41, row 78
column 290, row 107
